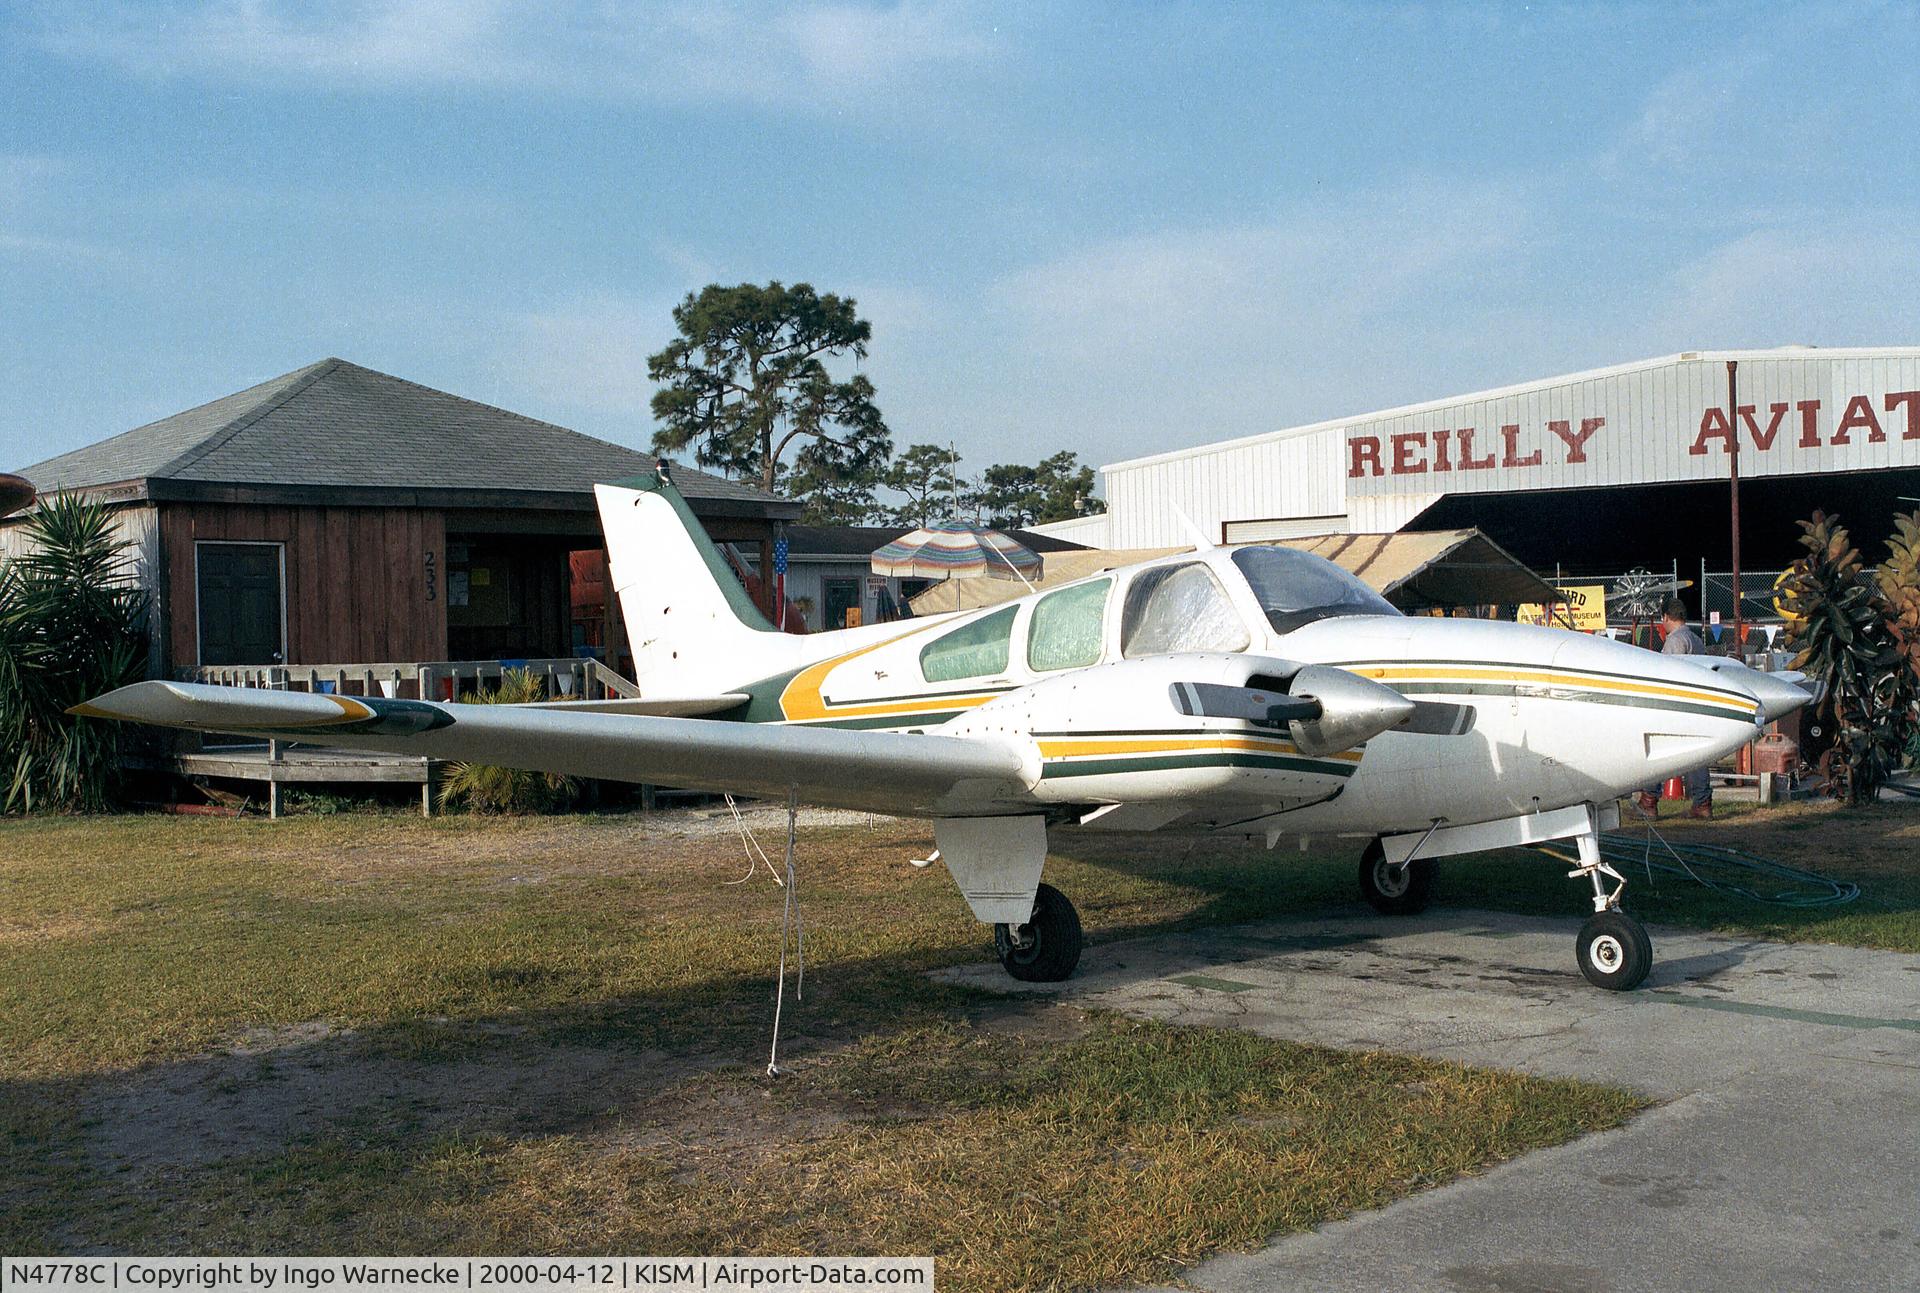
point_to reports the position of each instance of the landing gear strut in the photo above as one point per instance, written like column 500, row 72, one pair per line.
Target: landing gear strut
column 1394, row 889
column 1047, row 947
column 1613, row 948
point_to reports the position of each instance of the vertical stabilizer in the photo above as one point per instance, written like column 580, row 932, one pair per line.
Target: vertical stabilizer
column 693, row 629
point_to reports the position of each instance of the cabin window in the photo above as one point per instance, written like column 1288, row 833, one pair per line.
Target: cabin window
column 1066, row 629
column 1179, row 608
column 976, row 650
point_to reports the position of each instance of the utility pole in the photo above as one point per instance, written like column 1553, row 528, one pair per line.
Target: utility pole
column 1733, row 471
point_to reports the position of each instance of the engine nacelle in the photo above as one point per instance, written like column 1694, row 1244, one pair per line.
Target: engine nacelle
column 1256, row 729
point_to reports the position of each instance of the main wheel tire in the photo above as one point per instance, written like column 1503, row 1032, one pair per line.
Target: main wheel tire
column 1053, row 940
column 1615, row 952
column 1394, row 890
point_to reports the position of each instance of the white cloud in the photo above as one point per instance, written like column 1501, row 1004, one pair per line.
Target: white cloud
column 30, row 205
column 587, row 354
column 821, row 54
column 1240, row 328
column 1849, row 281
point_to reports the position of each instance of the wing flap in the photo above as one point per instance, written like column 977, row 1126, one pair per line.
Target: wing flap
column 892, row 772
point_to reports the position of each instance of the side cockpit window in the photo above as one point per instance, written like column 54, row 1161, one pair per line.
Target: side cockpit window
column 976, row 650
column 1179, row 608
column 1067, row 627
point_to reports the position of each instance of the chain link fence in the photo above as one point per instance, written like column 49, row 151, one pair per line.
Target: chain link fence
column 1705, row 592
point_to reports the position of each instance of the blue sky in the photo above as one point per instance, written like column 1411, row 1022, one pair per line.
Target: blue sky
column 1112, row 228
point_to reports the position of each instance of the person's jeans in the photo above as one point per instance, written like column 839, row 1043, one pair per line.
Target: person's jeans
column 1699, row 787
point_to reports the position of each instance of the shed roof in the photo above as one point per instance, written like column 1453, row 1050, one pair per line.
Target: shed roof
column 335, row 432
column 858, row 542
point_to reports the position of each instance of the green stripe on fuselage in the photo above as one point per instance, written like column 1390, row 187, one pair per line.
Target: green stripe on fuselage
column 1545, row 691
column 1097, row 767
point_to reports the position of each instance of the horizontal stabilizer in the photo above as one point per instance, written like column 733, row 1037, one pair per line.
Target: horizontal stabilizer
column 659, row 706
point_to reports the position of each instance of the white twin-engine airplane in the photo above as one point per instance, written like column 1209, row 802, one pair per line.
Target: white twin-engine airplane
column 1251, row 691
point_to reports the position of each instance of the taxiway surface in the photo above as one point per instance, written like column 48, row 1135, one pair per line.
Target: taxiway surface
column 1785, row 1154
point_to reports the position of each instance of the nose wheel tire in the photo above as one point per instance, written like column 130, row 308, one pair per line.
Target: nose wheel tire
column 1615, row 952
column 1047, row 947
column 1394, row 890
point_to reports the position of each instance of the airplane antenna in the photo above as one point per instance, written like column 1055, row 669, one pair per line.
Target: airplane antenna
column 1198, row 535
column 1015, row 569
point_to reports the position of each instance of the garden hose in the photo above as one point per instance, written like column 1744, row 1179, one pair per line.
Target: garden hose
column 1717, row 867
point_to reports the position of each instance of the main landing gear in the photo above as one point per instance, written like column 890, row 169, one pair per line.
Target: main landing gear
column 1394, row 888
column 1047, row 947
column 1613, row 948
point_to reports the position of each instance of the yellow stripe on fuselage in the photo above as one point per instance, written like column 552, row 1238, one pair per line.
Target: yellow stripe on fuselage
column 1390, row 674
column 802, row 702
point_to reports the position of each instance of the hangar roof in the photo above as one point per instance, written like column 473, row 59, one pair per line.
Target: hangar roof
column 1522, row 388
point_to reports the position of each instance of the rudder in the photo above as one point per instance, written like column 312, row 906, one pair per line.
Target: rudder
column 692, row 627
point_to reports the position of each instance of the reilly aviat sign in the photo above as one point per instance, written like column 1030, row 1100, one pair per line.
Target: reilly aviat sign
column 1774, row 437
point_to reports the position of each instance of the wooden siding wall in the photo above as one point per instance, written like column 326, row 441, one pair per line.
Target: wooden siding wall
column 356, row 578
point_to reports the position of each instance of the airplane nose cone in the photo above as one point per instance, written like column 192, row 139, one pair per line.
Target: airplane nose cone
column 1777, row 696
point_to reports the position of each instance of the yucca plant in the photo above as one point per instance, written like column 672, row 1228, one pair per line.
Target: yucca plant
column 484, row 788
column 72, row 625
column 1838, row 625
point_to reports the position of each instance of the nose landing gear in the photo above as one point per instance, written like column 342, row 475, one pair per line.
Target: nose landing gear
column 1613, row 948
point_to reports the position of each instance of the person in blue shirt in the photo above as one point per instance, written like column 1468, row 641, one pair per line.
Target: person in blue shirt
column 1681, row 640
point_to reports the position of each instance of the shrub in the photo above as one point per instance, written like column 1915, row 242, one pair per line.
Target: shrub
column 1838, row 624
column 72, row 625
column 484, row 788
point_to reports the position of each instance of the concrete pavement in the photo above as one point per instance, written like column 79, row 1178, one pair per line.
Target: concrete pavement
column 1786, row 1156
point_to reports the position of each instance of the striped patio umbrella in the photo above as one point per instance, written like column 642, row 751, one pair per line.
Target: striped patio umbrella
column 957, row 552
column 15, row 493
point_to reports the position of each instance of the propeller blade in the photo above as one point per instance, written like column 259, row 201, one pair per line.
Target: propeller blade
column 1248, row 704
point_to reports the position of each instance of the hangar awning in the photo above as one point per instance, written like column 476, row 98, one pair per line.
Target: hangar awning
column 1424, row 569
column 1416, row 571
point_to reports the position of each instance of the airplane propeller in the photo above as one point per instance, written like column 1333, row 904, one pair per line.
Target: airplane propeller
column 1324, row 710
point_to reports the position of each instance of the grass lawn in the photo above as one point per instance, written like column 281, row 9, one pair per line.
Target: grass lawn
column 372, row 1033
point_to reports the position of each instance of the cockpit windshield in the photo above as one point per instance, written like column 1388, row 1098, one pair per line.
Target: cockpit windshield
column 1296, row 588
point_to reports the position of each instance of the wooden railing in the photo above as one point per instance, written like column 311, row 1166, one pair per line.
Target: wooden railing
column 566, row 678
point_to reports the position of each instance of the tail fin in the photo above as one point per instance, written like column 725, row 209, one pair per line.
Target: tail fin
column 693, row 629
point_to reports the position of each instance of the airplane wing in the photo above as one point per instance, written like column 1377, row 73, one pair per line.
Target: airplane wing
column 888, row 772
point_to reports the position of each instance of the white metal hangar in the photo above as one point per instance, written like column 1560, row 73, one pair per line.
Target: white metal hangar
column 1592, row 472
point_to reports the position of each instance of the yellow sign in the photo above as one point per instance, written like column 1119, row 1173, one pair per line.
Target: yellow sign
column 1585, row 608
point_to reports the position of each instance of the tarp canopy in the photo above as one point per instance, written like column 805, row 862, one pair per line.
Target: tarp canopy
column 1415, row 570
column 1421, row 570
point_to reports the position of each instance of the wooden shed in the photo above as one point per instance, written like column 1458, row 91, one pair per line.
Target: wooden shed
column 340, row 515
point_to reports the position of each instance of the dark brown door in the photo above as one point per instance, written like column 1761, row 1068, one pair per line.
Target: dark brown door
column 241, row 603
